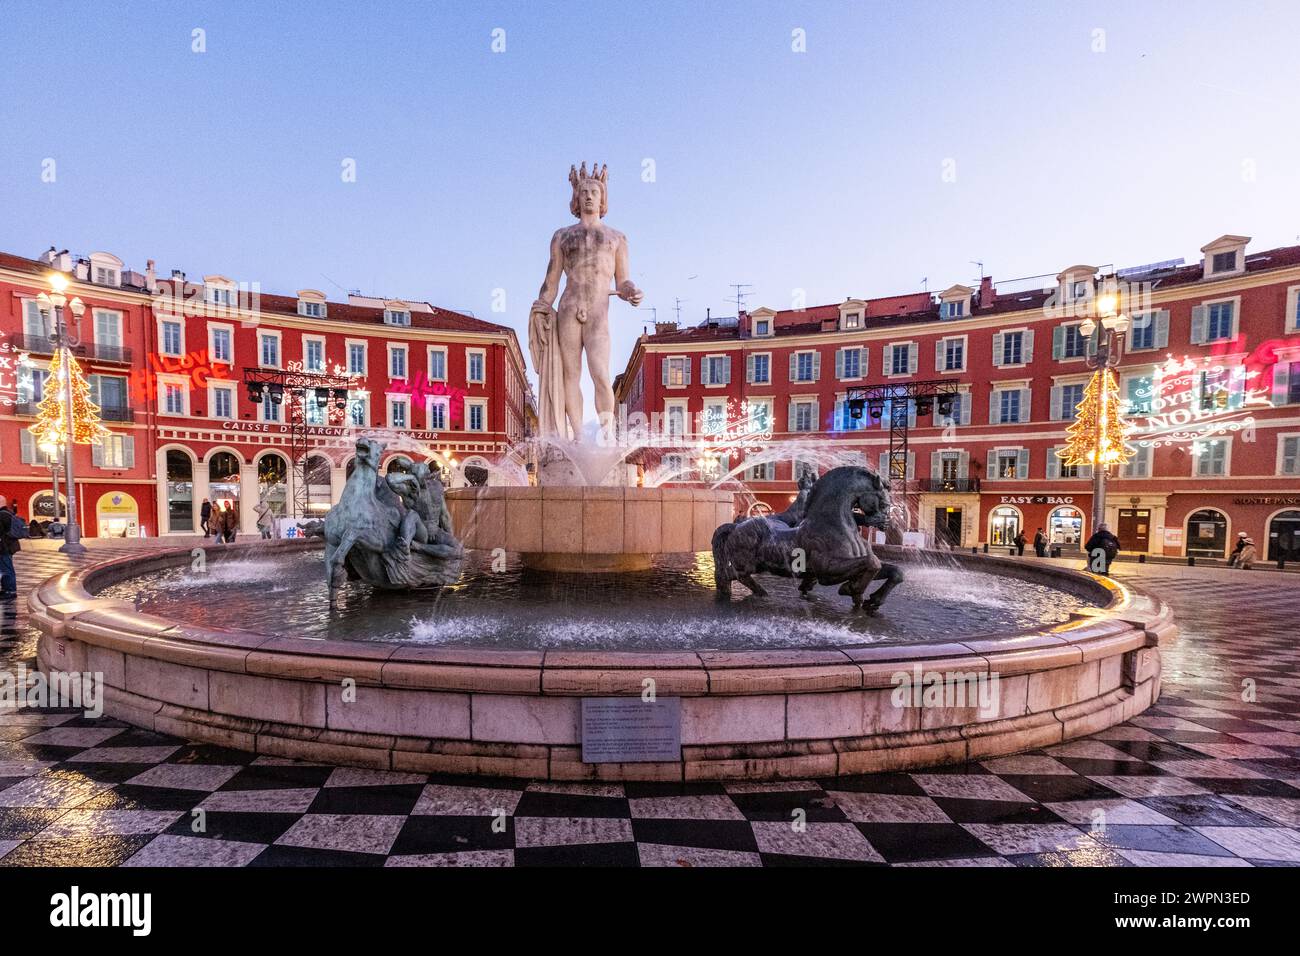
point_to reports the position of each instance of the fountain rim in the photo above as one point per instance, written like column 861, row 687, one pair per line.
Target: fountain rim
column 76, row 592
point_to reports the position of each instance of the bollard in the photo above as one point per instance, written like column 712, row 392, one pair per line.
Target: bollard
column 974, row 550
column 1142, row 558
column 1281, row 564
column 1191, row 561
column 986, row 548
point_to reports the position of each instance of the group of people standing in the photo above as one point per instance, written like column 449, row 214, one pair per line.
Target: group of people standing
column 223, row 521
column 1100, row 550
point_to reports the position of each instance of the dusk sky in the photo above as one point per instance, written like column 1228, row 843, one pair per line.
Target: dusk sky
column 1117, row 133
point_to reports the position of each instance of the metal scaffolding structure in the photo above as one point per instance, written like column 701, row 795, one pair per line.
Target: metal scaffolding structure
column 295, row 388
column 898, row 400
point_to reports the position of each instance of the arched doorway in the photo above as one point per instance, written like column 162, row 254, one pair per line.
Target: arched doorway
column 1065, row 527
column 1284, row 536
column 1207, row 534
column 223, row 480
column 1004, row 525
column 273, row 483
column 180, row 492
column 117, row 515
column 318, row 484
column 41, row 506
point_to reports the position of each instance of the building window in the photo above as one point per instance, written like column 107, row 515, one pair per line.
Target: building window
column 108, row 328
column 1068, row 398
column 357, row 411
column 396, row 317
column 1142, row 332
column 270, row 409
column 804, row 367
column 713, row 420
column 477, row 414
column 397, row 361
column 173, row 398
column 1290, row 455
column 853, row 320
column 763, row 471
column 313, row 309
column 676, row 420
column 1008, row 463
column 222, row 349
column 1219, row 322
column 1224, row 262
column 1293, row 382
column 900, row 359
column 954, row 310
column 759, row 414
column 850, row 363
column 1012, row 348
column 1138, row 394
column 313, row 355
column 397, row 417
column 1008, row 406
column 114, row 451
column 313, row 411
column 760, row 369
column 952, row 355
column 171, row 338
column 270, row 351
column 1139, row 466
column 356, row 358
column 805, row 417
column 677, row 371
column 438, row 414
column 438, row 365
column 762, row 327
column 1073, row 344
column 223, row 403
column 105, row 276
column 958, row 415
column 715, row 370
column 474, row 363
column 1211, row 457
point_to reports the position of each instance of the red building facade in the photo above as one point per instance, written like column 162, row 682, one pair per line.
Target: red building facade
column 1209, row 377
column 166, row 360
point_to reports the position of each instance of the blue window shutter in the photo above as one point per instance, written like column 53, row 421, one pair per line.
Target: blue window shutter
column 1162, row 329
column 839, row 363
column 1022, row 463
column 1058, row 342
column 1200, row 320
column 997, row 348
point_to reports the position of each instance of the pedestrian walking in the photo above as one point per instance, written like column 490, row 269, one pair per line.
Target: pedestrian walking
column 1246, row 556
column 1020, row 543
column 1101, row 549
column 265, row 519
column 1235, row 556
column 1040, row 544
column 205, row 516
column 9, row 546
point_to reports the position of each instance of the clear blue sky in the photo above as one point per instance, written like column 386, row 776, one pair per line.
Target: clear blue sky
column 819, row 170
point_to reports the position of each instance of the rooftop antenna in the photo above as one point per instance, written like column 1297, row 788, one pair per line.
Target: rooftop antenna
column 925, row 283
column 742, row 293
column 678, row 308
column 979, row 278
column 654, row 314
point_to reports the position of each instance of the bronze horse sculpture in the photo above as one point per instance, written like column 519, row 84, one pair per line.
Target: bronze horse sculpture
column 824, row 547
column 392, row 532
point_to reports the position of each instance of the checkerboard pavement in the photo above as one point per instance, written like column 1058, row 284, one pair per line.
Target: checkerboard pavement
column 1204, row 778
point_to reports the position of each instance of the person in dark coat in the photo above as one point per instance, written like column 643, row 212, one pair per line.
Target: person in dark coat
column 205, row 515
column 1020, row 543
column 1101, row 549
column 9, row 546
column 1040, row 544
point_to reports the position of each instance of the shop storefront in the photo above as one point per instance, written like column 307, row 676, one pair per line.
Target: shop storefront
column 1062, row 518
column 117, row 515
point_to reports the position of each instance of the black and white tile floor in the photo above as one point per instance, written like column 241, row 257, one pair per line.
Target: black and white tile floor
column 1204, row 778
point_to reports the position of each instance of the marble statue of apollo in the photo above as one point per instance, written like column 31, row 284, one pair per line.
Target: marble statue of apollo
column 590, row 255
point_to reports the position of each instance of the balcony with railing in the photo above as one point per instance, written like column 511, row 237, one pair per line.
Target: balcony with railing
column 108, row 413
column 96, row 351
column 950, row 485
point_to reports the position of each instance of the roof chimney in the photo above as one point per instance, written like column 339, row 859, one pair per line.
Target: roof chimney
column 986, row 291
column 150, row 277
column 662, row 328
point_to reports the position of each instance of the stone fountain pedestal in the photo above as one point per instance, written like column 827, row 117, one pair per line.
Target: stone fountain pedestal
column 589, row 529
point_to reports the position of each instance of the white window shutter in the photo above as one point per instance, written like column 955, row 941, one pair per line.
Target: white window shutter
column 993, row 406
column 686, row 363
column 864, row 357
column 1281, row 383
column 792, row 420
column 1085, row 471
column 911, row 465
column 705, row 372
column 965, row 408
column 839, row 363
column 1053, row 464
column 726, row 370
column 1200, row 323
column 1162, row 329
column 749, row 369
column 963, row 465
column 913, row 354
column 817, row 366
column 997, row 348
column 885, row 355
column 97, row 452
column 1022, row 464
column 794, row 366
column 991, row 466
column 940, row 356
column 1058, row 342
column 1057, row 395
column 1027, row 347
column 1026, row 408
column 816, row 415
column 936, row 465
column 664, row 369
column 28, row 447
column 1292, row 322
column 128, row 451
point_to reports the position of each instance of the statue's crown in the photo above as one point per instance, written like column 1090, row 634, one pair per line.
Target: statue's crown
column 577, row 175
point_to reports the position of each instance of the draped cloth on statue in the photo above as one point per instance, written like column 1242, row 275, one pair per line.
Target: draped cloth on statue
column 544, row 348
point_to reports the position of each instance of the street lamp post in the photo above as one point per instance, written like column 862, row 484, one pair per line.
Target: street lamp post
column 1106, row 332
column 65, row 338
column 52, row 452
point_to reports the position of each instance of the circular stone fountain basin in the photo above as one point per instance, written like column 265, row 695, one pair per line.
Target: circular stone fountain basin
column 824, row 705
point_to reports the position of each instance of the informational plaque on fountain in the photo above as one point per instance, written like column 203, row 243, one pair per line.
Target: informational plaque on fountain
column 631, row 730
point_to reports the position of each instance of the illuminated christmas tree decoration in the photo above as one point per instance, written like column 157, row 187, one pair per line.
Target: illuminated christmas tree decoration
column 1097, row 434
column 51, row 426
